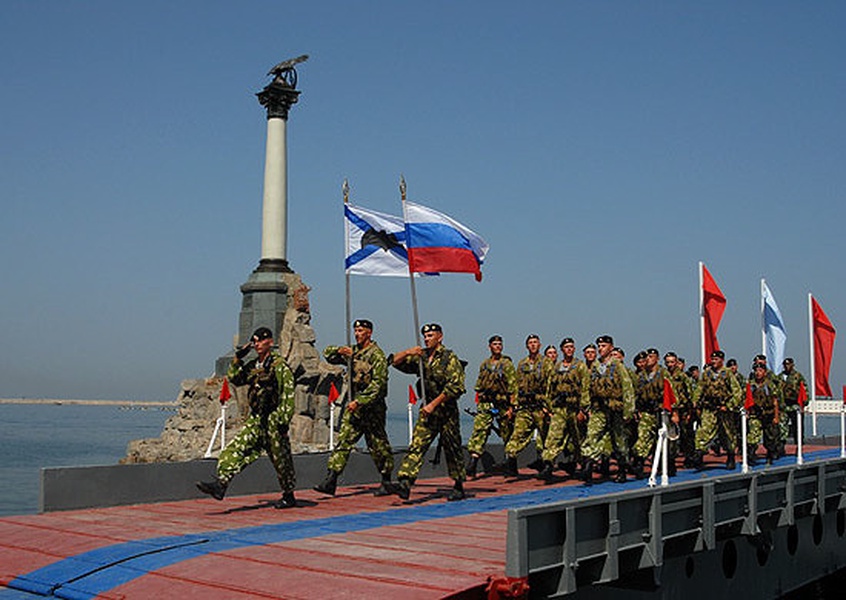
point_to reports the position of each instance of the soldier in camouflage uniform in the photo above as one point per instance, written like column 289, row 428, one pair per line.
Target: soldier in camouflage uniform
column 564, row 394
column 763, row 416
column 609, row 393
column 649, row 402
column 532, row 410
column 589, row 353
column 496, row 389
column 271, row 399
column 777, row 384
column 443, row 379
column 365, row 414
column 684, row 414
column 791, row 381
column 717, row 399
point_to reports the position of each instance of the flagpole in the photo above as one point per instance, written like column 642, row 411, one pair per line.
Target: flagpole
column 843, row 425
column 345, row 188
column 702, row 314
column 416, row 317
column 763, row 321
column 813, row 364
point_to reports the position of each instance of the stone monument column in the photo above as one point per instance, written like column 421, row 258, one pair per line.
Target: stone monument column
column 265, row 293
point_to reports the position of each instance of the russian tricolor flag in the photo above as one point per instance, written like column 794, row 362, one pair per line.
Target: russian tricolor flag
column 437, row 243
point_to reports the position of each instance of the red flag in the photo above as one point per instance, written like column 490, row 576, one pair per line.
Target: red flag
column 713, row 306
column 802, row 398
column 750, row 401
column 477, row 397
column 224, row 391
column 669, row 395
column 412, row 396
column 333, row 393
column 844, row 394
column 823, row 335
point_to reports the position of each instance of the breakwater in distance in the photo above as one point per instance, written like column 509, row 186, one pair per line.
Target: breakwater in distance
column 61, row 401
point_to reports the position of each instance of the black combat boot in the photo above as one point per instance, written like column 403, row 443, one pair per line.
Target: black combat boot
column 509, row 467
column 385, row 487
column 457, row 492
column 568, row 467
column 403, row 488
column 621, row 472
column 671, row 466
column 472, row 465
column 328, row 485
column 587, row 471
column 605, row 468
column 216, row 489
column 286, row 501
column 697, row 460
column 637, row 468
column 546, row 473
column 537, row 464
column 751, row 457
column 731, row 463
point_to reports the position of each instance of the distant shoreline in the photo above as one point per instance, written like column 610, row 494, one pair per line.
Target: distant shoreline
column 139, row 403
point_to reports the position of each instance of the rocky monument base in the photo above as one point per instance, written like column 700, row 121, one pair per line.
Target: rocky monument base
column 186, row 434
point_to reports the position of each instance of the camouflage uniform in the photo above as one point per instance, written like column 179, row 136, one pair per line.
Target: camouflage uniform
column 762, row 423
column 790, row 383
column 717, row 399
column 271, row 398
column 684, row 387
column 496, row 385
column 564, row 394
column 370, row 387
column 532, row 409
column 609, row 393
column 442, row 373
column 649, row 404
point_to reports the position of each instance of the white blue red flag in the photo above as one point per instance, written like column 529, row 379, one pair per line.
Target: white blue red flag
column 439, row 244
column 775, row 335
column 375, row 243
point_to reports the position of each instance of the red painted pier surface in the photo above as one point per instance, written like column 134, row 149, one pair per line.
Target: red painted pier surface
column 353, row 545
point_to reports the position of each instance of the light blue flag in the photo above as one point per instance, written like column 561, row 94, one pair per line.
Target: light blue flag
column 775, row 336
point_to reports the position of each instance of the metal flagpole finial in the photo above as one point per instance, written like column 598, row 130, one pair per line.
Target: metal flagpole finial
column 346, row 189
column 402, row 187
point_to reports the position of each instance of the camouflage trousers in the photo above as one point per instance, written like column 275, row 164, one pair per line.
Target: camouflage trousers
column 647, row 434
column 526, row 422
column 762, row 429
column 486, row 414
column 687, row 432
column 367, row 421
column 606, row 435
column 716, row 424
column 444, row 422
column 564, row 433
column 788, row 422
column 255, row 438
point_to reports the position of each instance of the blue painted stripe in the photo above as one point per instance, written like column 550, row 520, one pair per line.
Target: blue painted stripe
column 435, row 235
column 86, row 575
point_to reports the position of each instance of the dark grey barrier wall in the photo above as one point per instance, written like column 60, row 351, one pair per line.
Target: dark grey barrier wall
column 70, row 488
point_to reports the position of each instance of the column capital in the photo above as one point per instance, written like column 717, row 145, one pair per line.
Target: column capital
column 278, row 97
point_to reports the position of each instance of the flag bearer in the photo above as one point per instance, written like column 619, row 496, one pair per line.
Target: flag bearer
column 717, row 399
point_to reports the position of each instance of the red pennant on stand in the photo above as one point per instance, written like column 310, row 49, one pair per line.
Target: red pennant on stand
column 477, row 397
column 669, row 395
column 750, row 401
column 333, row 393
column 412, row 396
column 225, row 394
column 803, row 395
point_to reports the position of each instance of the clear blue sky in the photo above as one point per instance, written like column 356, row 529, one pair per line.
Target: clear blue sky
column 601, row 148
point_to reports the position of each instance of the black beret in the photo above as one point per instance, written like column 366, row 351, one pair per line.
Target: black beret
column 653, row 351
column 787, row 361
column 718, row 354
column 532, row 336
column 494, row 338
column 619, row 351
column 731, row 362
column 431, row 327
column 363, row 323
column 262, row 333
column 567, row 340
column 605, row 339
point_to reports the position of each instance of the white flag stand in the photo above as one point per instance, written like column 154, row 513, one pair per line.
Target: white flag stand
column 744, row 428
column 843, row 430
column 799, row 417
column 219, row 426
column 661, row 455
column 331, row 426
column 410, row 422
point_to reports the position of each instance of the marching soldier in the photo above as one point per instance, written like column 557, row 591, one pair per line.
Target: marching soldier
column 531, row 410
column 365, row 414
column 564, row 393
column 271, row 398
column 649, row 395
column 683, row 412
column 589, row 353
column 717, row 398
column 764, row 415
column 609, row 393
column 791, row 381
column 496, row 387
column 443, row 381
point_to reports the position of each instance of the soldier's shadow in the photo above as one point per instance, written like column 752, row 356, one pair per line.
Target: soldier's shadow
column 263, row 504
